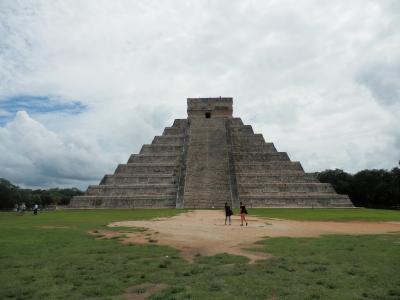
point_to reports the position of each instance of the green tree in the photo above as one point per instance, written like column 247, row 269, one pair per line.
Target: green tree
column 8, row 194
column 340, row 180
column 368, row 188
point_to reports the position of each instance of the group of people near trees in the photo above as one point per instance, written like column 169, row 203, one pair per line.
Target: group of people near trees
column 229, row 213
column 21, row 208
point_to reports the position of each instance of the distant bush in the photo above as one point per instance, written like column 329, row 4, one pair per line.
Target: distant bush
column 367, row 188
column 11, row 195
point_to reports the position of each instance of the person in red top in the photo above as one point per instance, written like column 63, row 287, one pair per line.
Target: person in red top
column 243, row 213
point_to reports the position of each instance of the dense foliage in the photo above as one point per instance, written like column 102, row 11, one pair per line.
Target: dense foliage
column 11, row 195
column 367, row 188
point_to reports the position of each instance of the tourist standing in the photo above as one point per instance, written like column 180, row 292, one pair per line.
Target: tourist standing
column 22, row 208
column 35, row 209
column 228, row 213
column 243, row 213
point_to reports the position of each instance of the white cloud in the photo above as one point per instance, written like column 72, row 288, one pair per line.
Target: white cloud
column 33, row 155
column 321, row 80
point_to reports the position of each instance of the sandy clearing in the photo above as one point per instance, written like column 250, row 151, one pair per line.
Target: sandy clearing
column 203, row 232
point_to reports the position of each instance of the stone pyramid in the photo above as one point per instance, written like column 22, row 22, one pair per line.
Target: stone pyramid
column 206, row 160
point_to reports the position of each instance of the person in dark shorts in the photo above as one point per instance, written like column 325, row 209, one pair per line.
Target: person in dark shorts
column 228, row 213
column 243, row 213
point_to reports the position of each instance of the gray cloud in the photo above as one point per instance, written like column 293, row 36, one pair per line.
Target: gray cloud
column 383, row 80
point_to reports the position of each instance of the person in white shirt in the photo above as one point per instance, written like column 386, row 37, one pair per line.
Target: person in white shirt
column 35, row 209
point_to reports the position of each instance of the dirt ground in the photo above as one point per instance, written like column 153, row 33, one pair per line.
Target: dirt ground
column 203, row 232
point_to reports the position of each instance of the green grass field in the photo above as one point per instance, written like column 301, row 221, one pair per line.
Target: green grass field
column 330, row 214
column 51, row 256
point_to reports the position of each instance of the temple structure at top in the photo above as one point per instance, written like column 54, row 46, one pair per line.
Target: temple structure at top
column 205, row 160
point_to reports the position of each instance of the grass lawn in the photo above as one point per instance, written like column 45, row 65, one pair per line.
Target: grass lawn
column 330, row 214
column 51, row 256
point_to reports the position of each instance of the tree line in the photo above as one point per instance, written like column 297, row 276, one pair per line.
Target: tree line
column 366, row 188
column 12, row 195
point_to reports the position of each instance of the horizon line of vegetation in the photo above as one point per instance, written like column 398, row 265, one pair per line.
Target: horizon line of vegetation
column 372, row 188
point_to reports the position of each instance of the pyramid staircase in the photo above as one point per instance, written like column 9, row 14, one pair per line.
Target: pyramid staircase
column 206, row 160
column 148, row 179
column 267, row 178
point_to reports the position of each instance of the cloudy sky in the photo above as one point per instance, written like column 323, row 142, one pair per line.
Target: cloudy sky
column 85, row 83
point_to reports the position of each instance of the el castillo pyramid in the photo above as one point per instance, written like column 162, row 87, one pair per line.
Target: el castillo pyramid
column 205, row 160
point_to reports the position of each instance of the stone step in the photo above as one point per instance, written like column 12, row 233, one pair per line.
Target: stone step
column 180, row 123
column 136, row 186
column 266, row 148
column 207, row 191
column 131, row 190
column 140, row 178
column 268, row 166
column 202, row 124
column 270, row 172
column 254, row 137
column 200, row 202
column 198, row 143
column 297, row 200
column 266, row 188
column 205, row 202
column 172, row 131
column 241, row 129
column 168, row 140
column 215, row 167
column 137, row 168
column 173, row 157
column 247, row 135
column 151, row 201
column 204, row 205
column 286, row 194
column 200, row 182
column 236, row 122
column 292, row 176
column 205, row 134
column 259, row 156
column 196, row 191
column 154, row 148
column 248, row 144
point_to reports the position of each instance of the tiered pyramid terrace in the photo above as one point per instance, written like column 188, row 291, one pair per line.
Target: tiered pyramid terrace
column 206, row 160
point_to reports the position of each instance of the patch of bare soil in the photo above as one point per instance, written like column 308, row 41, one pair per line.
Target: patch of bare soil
column 203, row 232
column 143, row 291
